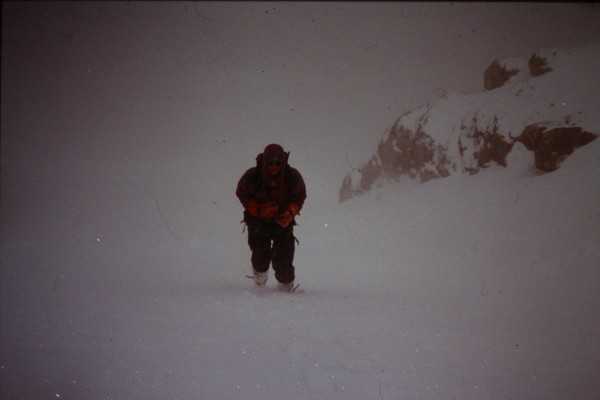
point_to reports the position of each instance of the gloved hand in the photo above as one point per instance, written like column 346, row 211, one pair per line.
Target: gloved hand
column 285, row 217
column 293, row 209
column 252, row 207
column 268, row 210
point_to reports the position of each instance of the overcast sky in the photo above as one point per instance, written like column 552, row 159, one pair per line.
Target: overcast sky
column 122, row 80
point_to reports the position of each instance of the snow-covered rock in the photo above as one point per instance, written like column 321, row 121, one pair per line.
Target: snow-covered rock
column 546, row 102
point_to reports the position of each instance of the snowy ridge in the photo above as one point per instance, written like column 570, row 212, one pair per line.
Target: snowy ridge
column 464, row 133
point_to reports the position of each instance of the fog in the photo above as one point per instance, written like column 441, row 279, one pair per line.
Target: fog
column 113, row 84
column 125, row 128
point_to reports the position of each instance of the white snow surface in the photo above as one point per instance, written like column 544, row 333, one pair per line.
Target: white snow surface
column 465, row 287
column 123, row 261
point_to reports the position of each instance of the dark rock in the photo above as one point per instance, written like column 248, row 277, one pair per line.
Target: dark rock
column 538, row 65
column 496, row 75
column 552, row 146
column 487, row 146
column 413, row 154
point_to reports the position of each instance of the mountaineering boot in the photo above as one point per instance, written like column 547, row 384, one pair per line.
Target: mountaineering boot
column 260, row 278
column 286, row 287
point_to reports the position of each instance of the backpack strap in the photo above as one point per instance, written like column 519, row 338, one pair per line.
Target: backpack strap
column 257, row 176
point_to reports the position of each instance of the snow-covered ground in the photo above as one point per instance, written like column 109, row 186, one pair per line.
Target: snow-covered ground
column 463, row 288
column 123, row 259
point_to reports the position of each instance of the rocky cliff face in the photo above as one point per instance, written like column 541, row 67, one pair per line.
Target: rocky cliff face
column 550, row 103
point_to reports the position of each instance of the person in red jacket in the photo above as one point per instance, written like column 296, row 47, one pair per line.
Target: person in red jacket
column 272, row 194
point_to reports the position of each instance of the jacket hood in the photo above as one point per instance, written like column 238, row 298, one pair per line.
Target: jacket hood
column 273, row 151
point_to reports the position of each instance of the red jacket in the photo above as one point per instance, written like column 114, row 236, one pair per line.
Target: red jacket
column 258, row 184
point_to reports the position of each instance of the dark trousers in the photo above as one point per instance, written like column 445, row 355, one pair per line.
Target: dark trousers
column 277, row 249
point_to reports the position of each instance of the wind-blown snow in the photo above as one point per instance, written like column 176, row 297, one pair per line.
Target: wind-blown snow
column 123, row 259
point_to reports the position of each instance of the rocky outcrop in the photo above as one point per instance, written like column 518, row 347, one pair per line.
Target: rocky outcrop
column 497, row 74
column 501, row 70
column 538, row 65
column 469, row 133
column 421, row 157
column 552, row 146
column 415, row 155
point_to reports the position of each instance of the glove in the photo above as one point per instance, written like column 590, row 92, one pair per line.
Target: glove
column 293, row 209
column 252, row 207
column 268, row 210
column 285, row 217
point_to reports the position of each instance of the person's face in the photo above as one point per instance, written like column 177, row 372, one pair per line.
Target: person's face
column 274, row 166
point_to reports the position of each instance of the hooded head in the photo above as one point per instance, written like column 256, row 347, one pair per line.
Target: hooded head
column 274, row 160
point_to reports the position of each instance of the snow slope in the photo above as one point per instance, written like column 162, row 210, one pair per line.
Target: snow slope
column 464, row 133
column 467, row 287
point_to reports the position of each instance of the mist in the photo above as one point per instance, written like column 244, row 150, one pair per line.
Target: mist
column 118, row 85
column 125, row 128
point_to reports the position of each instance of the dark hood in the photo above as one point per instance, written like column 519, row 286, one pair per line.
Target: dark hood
column 271, row 151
